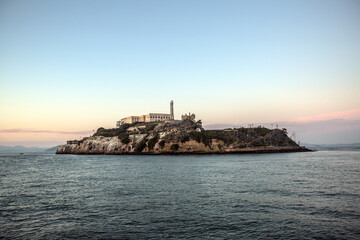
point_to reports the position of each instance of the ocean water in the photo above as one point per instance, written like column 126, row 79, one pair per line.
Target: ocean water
column 313, row 195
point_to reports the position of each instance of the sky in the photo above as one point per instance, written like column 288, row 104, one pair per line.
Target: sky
column 70, row 67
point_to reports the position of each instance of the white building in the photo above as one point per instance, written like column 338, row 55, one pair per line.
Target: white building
column 151, row 117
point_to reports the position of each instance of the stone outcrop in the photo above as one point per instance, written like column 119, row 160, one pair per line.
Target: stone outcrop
column 181, row 137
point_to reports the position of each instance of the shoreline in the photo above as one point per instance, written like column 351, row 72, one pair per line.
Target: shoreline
column 249, row 151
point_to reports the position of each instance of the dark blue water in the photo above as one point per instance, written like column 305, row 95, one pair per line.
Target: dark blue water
column 271, row 196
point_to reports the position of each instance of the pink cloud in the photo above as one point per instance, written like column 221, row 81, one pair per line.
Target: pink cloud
column 19, row 130
column 352, row 114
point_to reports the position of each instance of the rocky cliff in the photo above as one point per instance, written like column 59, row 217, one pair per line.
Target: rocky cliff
column 181, row 137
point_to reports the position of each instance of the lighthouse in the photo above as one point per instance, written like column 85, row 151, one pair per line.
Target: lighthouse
column 172, row 110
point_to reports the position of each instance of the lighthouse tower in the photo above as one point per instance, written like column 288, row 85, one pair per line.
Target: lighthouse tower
column 172, row 110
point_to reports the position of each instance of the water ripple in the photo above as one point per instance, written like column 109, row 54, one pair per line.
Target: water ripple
column 274, row 196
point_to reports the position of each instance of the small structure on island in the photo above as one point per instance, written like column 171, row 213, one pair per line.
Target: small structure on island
column 74, row 142
column 189, row 116
column 150, row 117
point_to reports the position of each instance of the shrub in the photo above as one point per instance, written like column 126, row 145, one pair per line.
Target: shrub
column 151, row 126
column 206, row 136
column 201, row 137
column 262, row 131
column 152, row 142
column 162, row 143
column 197, row 136
column 140, row 147
column 258, row 143
column 113, row 131
column 122, row 135
column 185, row 138
column 104, row 132
column 174, row 147
column 125, row 140
column 124, row 126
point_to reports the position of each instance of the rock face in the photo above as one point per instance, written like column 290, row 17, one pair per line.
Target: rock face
column 181, row 137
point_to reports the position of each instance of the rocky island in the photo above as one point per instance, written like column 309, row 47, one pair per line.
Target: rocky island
column 185, row 136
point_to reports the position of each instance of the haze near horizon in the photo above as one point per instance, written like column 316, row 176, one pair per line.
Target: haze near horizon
column 68, row 68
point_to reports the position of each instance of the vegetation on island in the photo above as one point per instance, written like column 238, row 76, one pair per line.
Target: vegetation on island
column 148, row 136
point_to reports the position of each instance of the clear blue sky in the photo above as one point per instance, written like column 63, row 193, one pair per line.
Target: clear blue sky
column 78, row 65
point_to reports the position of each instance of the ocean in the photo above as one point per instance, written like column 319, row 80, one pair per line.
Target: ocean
column 311, row 195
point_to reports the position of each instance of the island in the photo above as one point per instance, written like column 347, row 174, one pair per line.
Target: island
column 185, row 136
